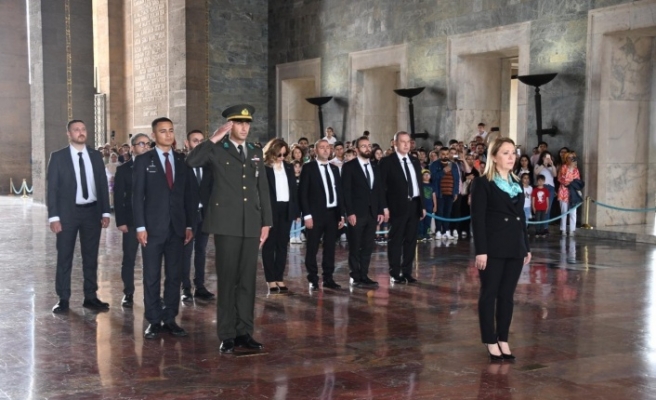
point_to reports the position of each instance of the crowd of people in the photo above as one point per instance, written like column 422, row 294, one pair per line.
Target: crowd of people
column 169, row 201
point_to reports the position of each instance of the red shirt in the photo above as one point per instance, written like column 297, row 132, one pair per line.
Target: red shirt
column 541, row 197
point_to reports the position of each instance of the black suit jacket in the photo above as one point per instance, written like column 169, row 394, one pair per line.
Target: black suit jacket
column 312, row 195
column 291, row 185
column 395, row 184
column 204, row 190
column 62, row 185
column 499, row 225
column 157, row 207
column 359, row 199
column 123, row 194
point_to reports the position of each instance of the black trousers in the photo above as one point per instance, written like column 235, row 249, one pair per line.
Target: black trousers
column 198, row 248
column 130, row 248
column 465, row 211
column 498, row 282
column 86, row 221
column 236, row 266
column 361, row 244
column 274, row 250
column 169, row 246
column 403, row 240
column 324, row 226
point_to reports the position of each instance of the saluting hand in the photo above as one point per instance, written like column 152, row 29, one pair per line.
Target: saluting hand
column 221, row 132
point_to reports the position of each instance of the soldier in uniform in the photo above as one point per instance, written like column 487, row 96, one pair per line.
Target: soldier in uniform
column 239, row 216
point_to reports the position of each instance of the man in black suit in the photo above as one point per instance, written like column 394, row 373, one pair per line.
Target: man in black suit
column 164, row 208
column 78, row 201
column 364, row 202
column 124, row 218
column 320, row 196
column 401, row 177
column 201, row 184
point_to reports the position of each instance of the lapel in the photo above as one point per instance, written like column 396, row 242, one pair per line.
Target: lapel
column 155, row 160
column 178, row 177
column 69, row 165
column 320, row 180
column 506, row 199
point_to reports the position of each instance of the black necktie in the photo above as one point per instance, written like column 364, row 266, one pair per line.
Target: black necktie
column 366, row 170
column 241, row 152
column 329, row 183
column 83, row 177
column 198, row 176
column 408, row 177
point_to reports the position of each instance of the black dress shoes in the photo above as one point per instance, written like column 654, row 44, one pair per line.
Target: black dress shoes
column 314, row 285
column 398, row 279
column 60, row 307
column 248, row 342
column 174, row 329
column 95, row 304
column 186, row 295
column 368, row 281
column 203, row 294
column 153, row 330
column 331, row 284
column 410, row 279
column 227, row 346
column 128, row 301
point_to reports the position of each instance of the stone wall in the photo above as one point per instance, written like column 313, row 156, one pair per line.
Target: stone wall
column 238, row 62
column 14, row 97
column 332, row 29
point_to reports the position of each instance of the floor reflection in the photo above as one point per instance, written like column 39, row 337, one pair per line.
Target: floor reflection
column 583, row 328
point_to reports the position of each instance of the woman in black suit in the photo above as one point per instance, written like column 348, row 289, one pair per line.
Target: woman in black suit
column 501, row 243
column 284, row 205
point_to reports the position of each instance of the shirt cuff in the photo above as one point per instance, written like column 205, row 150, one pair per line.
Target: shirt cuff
column 307, row 217
column 189, row 227
column 141, row 229
column 107, row 215
column 53, row 219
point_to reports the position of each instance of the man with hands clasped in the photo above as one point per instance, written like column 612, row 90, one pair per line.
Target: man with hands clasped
column 501, row 244
column 239, row 216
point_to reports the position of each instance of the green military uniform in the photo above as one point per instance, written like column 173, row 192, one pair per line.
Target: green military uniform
column 238, row 208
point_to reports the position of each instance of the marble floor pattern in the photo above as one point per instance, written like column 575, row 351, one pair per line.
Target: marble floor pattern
column 584, row 328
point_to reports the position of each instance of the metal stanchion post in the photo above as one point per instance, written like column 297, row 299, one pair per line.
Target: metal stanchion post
column 24, row 187
column 11, row 185
column 587, row 225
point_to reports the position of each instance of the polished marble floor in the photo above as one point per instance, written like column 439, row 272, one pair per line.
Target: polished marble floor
column 584, row 328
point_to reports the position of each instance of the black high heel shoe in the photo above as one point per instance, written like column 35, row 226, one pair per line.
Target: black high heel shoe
column 504, row 355
column 492, row 356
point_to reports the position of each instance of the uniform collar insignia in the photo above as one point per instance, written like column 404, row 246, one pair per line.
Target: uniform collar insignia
column 226, row 145
column 250, row 146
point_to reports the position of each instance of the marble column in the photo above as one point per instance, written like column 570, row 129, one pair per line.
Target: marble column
column 61, row 54
column 14, row 97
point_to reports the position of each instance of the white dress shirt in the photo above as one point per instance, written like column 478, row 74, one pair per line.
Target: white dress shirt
column 322, row 171
column 243, row 146
column 282, row 187
column 368, row 168
column 160, row 153
column 198, row 172
column 413, row 177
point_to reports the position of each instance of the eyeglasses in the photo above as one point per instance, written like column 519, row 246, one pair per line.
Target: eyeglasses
column 282, row 155
column 141, row 144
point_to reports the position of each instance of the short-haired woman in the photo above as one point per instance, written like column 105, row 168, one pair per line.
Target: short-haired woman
column 501, row 244
column 284, row 206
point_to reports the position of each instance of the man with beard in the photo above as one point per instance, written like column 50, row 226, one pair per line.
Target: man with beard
column 364, row 203
column 78, row 201
column 124, row 217
column 446, row 183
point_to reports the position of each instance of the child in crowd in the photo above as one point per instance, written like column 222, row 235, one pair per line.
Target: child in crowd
column 429, row 199
column 540, row 203
column 528, row 190
column 295, row 234
column 349, row 155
